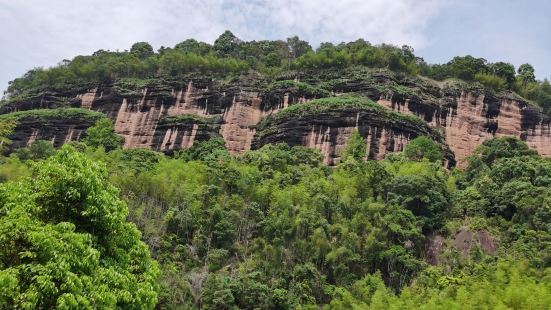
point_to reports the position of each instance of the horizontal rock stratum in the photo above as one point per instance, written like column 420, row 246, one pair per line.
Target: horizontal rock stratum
column 166, row 115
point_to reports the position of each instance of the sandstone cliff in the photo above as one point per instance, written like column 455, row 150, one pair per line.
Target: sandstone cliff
column 166, row 115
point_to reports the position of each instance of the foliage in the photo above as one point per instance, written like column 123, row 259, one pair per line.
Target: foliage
column 6, row 129
column 505, row 147
column 40, row 149
column 210, row 151
column 61, row 113
column 423, row 147
column 230, row 56
column 526, row 73
column 509, row 285
column 491, row 81
column 355, row 147
column 102, row 134
column 141, row 50
column 67, row 243
column 275, row 228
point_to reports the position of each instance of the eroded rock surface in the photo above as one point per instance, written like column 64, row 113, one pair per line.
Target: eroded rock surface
column 464, row 241
column 465, row 116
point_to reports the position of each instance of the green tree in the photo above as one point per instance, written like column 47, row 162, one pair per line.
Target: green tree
column 208, row 151
column 504, row 70
column 504, row 147
column 423, row 147
column 40, row 149
column 227, row 44
column 426, row 197
column 355, row 147
column 297, row 47
column 467, row 67
column 142, row 50
column 194, row 46
column 102, row 134
column 526, row 73
column 6, row 129
column 66, row 242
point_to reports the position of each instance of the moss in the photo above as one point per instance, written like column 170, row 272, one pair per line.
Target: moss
column 63, row 113
column 189, row 119
column 338, row 103
column 132, row 87
column 299, row 88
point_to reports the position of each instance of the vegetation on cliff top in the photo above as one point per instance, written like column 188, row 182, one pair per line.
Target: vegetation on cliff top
column 190, row 118
column 61, row 113
column 229, row 56
column 339, row 103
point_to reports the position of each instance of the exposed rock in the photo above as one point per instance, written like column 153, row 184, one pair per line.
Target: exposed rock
column 464, row 241
column 57, row 125
column 466, row 115
column 328, row 126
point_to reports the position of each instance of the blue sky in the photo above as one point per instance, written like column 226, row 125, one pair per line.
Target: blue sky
column 41, row 33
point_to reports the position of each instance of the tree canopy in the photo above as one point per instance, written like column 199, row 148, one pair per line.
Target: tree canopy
column 66, row 242
column 230, row 56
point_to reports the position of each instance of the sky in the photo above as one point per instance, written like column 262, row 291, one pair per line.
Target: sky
column 41, row 33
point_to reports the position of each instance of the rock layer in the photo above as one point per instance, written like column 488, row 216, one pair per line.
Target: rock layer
column 466, row 116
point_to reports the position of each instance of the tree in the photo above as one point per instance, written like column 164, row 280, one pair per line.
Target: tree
column 467, row 67
column 355, row 147
column 526, row 73
column 423, row 147
column 504, row 70
column 66, row 242
column 102, row 134
column 504, row 147
column 194, row 46
column 6, row 129
column 227, row 44
column 142, row 50
column 297, row 47
column 426, row 197
column 40, row 149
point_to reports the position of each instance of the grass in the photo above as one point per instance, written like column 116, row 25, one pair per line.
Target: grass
column 338, row 103
column 69, row 113
column 299, row 88
column 189, row 118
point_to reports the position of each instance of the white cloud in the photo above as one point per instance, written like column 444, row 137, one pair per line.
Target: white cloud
column 41, row 33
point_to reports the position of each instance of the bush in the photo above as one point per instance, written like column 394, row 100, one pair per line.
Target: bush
column 102, row 134
column 423, row 147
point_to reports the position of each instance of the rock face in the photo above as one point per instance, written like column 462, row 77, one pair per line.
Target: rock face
column 326, row 124
column 56, row 125
column 464, row 241
column 168, row 115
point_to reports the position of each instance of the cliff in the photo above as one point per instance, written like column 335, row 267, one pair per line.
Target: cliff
column 166, row 115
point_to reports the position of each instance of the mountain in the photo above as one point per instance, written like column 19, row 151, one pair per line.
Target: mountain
column 234, row 89
column 267, row 175
column 170, row 114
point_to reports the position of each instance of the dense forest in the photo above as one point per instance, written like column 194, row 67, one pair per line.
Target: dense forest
column 230, row 56
column 95, row 226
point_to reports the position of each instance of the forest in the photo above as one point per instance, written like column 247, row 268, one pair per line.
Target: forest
column 95, row 226
column 230, row 56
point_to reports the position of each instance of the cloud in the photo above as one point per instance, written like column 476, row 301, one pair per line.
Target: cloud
column 41, row 33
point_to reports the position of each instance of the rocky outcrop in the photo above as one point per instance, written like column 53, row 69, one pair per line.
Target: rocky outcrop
column 56, row 125
column 326, row 124
column 464, row 114
column 464, row 241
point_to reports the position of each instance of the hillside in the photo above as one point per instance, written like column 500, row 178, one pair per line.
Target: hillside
column 267, row 175
column 166, row 100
